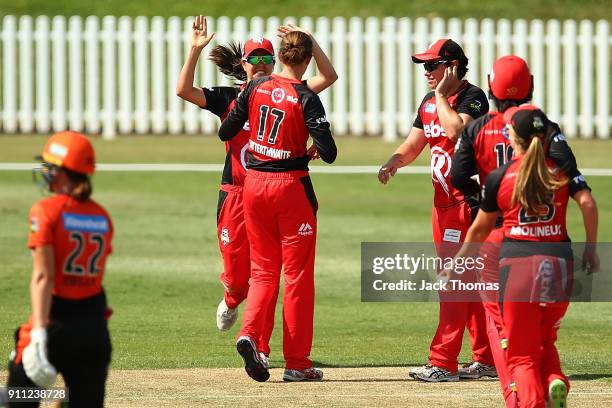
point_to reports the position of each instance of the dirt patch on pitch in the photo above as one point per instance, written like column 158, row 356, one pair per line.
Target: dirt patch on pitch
column 342, row 387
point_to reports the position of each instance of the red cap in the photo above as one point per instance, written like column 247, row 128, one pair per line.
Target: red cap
column 510, row 79
column 526, row 120
column 71, row 150
column 257, row 43
column 443, row 49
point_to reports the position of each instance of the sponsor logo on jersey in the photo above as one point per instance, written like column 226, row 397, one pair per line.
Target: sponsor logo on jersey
column 539, row 231
column 430, row 107
column 559, row 138
column 225, row 236
column 263, row 91
column 271, row 152
column 440, row 167
column 246, row 127
column 85, row 223
column 434, row 130
column 305, row 229
column 320, row 120
column 476, row 105
column 243, row 155
column 451, row 235
column 34, row 224
column 579, row 179
column 278, row 94
column 292, row 99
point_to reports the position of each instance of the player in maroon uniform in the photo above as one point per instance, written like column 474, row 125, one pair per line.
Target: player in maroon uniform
column 280, row 205
column 532, row 192
column 70, row 238
column 485, row 146
column 442, row 115
column 255, row 61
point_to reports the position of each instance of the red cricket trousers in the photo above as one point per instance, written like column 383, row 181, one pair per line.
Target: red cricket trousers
column 497, row 338
column 280, row 215
column 236, row 254
column 450, row 226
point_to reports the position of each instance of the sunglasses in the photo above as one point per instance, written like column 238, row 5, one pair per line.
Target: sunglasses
column 259, row 59
column 432, row 66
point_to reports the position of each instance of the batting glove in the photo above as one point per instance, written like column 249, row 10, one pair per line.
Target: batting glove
column 35, row 362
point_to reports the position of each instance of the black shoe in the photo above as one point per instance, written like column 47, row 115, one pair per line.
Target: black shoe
column 254, row 367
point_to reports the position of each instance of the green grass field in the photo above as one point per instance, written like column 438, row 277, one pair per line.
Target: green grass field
column 545, row 9
column 162, row 279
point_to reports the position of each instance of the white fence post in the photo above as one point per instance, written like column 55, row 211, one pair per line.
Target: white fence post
column 175, row 46
column 207, row 75
column 356, row 77
column 58, row 39
column 158, row 76
column 224, row 36
column 26, row 78
column 75, row 73
column 340, row 119
column 92, row 69
column 390, row 79
column 324, row 40
column 141, row 74
column 472, row 49
column 421, row 42
column 586, row 79
column 520, row 39
column 373, row 76
column 190, row 111
column 570, row 97
column 536, row 61
column 406, row 77
column 602, row 80
column 109, row 78
column 41, row 38
column 126, row 89
column 487, row 45
column 504, row 39
column 9, row 56
column 553, row 68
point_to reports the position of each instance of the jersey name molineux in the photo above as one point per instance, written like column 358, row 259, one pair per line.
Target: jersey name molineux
column 470, row 100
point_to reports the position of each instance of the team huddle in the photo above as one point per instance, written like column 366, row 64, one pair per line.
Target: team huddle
column 501, row 176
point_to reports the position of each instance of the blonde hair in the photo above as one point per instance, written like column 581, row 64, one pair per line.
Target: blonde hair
column 535, row 183
column 295, row 48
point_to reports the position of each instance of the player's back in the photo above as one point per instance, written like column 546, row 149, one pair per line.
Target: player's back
column 80, row 234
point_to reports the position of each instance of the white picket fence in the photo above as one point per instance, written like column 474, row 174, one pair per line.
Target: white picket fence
column 118, row 75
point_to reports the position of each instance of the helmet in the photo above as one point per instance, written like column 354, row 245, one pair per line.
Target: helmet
column 70, row 150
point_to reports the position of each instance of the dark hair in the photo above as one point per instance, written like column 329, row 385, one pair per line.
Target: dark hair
column 295, row 48
column 462, row 69
column 228, row 59
column 503, row 105
column 82, row 189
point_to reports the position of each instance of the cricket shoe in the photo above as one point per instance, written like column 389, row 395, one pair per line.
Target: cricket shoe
column 431, row 373
column 226, row 317
column 253, row 365
column 264, row 360
column 309, row 374
column 476, row 370
column 557, row 394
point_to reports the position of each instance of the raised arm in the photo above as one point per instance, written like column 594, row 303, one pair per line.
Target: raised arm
column 327, row 74
column 199, row 39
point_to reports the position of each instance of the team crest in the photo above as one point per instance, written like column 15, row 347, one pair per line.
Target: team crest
column 258, row 39
column 34, row 225
column 225, row 237
column 278, row 94
column 538, row 123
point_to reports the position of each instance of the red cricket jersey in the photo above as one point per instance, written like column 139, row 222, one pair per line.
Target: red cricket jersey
column 518, row 224
column 80, row 234
column 468, row 99
column 282, row 113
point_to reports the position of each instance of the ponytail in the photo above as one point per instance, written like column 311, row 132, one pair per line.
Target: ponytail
column 81, row 185
column 535, row 185
column 228, row 59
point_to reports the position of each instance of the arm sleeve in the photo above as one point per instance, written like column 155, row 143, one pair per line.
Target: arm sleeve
column 561, row 154
column 464, row 163
column 318, row 126
column 219, row 98
column 238, row 115
column 41, row 227
column 488, row 200
column 473, row 103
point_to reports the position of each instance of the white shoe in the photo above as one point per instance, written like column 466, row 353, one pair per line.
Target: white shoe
column 309, row 374
column 415, row 370
column 226, row 317
column 431, row 373
column 476, row 370
column 253, row 365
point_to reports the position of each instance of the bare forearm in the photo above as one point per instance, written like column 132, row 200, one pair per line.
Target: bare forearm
column 184, row 86
column 327, row 74
column 590, row 218
column 449, row 119
column 40, row 294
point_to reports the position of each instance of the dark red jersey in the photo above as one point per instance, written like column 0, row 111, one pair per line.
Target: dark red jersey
column 80, row 234
column 518, row 224
column 468, row 99
column 485, row 146
column 220, row 100
column 282, row 113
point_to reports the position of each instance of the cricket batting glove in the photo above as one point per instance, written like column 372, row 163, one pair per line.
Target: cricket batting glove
column 35, row 362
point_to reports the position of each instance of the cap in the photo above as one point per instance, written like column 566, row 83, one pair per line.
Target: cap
column 257, row 43
column 510, row 79
column 70, row 150
column 444, row 49
column 526, row 120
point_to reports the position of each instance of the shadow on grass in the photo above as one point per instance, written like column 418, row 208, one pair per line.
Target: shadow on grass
column 587, row 376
